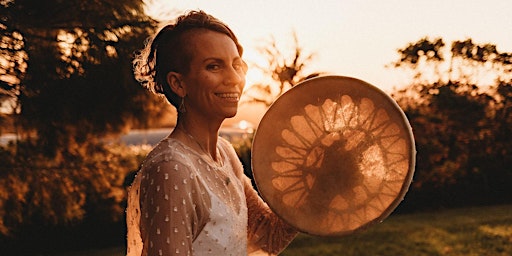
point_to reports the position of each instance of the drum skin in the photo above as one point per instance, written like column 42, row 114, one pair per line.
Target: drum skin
column 333, row 155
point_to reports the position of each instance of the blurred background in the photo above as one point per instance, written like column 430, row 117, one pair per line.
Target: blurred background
column 75, row 124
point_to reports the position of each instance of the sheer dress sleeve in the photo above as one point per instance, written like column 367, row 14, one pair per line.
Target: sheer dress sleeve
column 173, row 208
column 267, row 233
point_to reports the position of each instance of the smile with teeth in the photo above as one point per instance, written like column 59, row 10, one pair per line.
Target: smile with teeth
column 228, row 96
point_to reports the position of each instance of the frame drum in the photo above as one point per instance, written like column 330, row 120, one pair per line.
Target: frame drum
column 333, row 155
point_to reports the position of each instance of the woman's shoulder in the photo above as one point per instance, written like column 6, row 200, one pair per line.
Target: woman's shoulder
column 232, row 156
column 228, row 148
column 168, row 151
column 225, row 144
column 169, row 161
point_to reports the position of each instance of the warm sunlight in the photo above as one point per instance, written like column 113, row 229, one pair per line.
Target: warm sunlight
column 348, row 38
column 254, row 74
column 354, row 38
column 365, row 127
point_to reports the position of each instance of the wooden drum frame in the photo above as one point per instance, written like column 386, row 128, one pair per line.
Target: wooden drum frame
column 333, row 155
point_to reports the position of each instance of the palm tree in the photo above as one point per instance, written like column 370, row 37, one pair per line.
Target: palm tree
column 285, row 71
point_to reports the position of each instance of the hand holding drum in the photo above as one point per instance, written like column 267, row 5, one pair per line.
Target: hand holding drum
column 333, row 155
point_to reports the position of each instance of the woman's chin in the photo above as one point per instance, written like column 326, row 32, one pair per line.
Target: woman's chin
column 231, row 115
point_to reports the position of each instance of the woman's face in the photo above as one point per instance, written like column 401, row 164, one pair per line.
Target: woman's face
column 216, row 77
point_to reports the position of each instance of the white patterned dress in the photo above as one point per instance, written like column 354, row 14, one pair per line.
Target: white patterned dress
column 182, row 203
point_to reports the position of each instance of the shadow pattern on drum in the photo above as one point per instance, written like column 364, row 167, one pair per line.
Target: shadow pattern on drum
column 339, row 162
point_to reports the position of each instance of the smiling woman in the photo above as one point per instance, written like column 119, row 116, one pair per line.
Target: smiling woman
column 191, row 195
column 212, row 85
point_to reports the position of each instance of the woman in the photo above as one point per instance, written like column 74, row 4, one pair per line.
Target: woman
column 191, row 196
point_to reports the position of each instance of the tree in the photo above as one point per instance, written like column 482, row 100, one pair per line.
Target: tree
column 459, row 121
column 466, row 62
column 285, row 71
column 68, row 66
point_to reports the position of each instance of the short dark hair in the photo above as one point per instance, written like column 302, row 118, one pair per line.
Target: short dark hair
column 167, row 51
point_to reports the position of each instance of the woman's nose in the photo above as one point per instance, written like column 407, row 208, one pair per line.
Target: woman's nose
column 235, row 76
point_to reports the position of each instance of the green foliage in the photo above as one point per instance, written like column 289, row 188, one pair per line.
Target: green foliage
column 68, row 68
column 242, row 147
column 423, row 50
column 36, row 190
column 464, row 62
column 462, row 129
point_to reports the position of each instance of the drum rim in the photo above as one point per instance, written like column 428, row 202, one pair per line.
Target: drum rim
column 412, row 157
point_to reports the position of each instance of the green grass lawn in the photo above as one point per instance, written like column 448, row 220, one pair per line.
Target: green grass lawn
column 468, row 231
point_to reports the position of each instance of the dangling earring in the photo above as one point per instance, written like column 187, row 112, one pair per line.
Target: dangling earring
column 182, row 108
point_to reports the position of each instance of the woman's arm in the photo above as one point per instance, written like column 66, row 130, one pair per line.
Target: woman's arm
column 266, row 231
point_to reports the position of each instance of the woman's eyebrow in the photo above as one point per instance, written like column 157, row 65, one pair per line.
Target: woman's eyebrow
column 213, row 59
column 218, row 59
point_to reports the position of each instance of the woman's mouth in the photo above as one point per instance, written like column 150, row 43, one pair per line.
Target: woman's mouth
column 232, row 96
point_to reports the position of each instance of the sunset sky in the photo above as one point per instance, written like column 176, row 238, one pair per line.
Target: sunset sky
column 357, row 38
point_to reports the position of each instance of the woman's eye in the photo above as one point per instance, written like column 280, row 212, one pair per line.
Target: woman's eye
column 213, row 67
column 240, row 66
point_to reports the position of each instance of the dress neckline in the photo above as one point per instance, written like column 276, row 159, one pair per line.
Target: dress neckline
column 202, row 155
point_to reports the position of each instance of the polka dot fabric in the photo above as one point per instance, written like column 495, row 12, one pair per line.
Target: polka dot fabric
column 182, row 203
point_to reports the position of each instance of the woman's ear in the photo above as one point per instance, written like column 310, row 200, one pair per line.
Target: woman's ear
column 175, row 81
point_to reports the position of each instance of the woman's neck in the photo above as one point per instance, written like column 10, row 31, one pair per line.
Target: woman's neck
column 202, row 136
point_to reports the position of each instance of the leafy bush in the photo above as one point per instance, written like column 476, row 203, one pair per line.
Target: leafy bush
column 35, row 189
